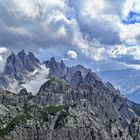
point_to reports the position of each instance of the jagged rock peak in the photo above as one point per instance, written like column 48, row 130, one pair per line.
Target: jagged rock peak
column 55, row 85
column 23, row 93
column 33, row 58
column 17, row 65
column 14, row 67
column 51, row 62
column 79, row 66
column 21, row 52
column 77, row 78
column 29, row 61
column 52, row 59
column 57, row 69
column 11, row 58
column 89, row 79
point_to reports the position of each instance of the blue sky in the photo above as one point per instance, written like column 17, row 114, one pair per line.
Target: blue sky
column 95, row 33
column 132, row 18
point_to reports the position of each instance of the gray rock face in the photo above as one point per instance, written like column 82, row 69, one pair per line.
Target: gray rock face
column 25, row 61
column 28, row 61
column 106, row 101
column 77, row 107
column 77, row 78
column 89, row 79
column 17, row 67
column 56, row 69
column 3, row 81
column 19, row 64
column 60, row 111
column 14, row 67
column 11, row 102
column 59, row 69
column 134, row 129
column 33, row 60
column 65, row 124
column 72, row 70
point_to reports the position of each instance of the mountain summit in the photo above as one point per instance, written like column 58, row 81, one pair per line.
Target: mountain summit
column 17, row 66
column 72, row 103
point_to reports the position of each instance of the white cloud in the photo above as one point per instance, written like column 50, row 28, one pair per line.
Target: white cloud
column 88, row 48
column 131, row 5
column 135, row 52
column 95, row 28
column 26, row 8
column 72, row 54
column 127, row 7
column 88, row 6
column 117, row 51
column 121, row 51
column 36, row 8
column 128, row 33
column 19, row 30
column 134, row 66
column 4, row 52
column 34, row 80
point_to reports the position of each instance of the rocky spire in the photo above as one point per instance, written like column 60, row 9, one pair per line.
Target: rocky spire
column 77, row 78
column 18, row 65
column 14, row 67
column 57, row 69
column 35, row 61
column 25, row 61
column 89, row 79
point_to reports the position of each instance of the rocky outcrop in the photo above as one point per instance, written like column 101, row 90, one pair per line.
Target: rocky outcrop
column 34, row 61
column 73, row 103
column 73, row 69
column 59, row 69
column 89, row 79
column 77, row 78
column 56, row 69
column 63, row 111
column 29, row 62
column 17, row 67
column 14, row 67
column 61, row 123
column 107, row 102
column 134, row 128
column 3, row 81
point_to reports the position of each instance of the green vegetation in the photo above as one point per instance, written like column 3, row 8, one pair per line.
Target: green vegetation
column 20, row 119
column 36, row 113
column 52, row 110
column 61, row 119
column 56, row 81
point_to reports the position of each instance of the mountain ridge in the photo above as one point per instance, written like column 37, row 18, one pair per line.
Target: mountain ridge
column 72, row 103
column 127, row 80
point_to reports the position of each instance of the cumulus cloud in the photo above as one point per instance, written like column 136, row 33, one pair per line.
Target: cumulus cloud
column 131, row 5
column 93, row 28
column 121, row 51
column 129, row 56
column 72, row 54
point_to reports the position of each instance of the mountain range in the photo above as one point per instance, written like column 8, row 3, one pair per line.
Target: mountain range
column 126, row 80
column 70, row 103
